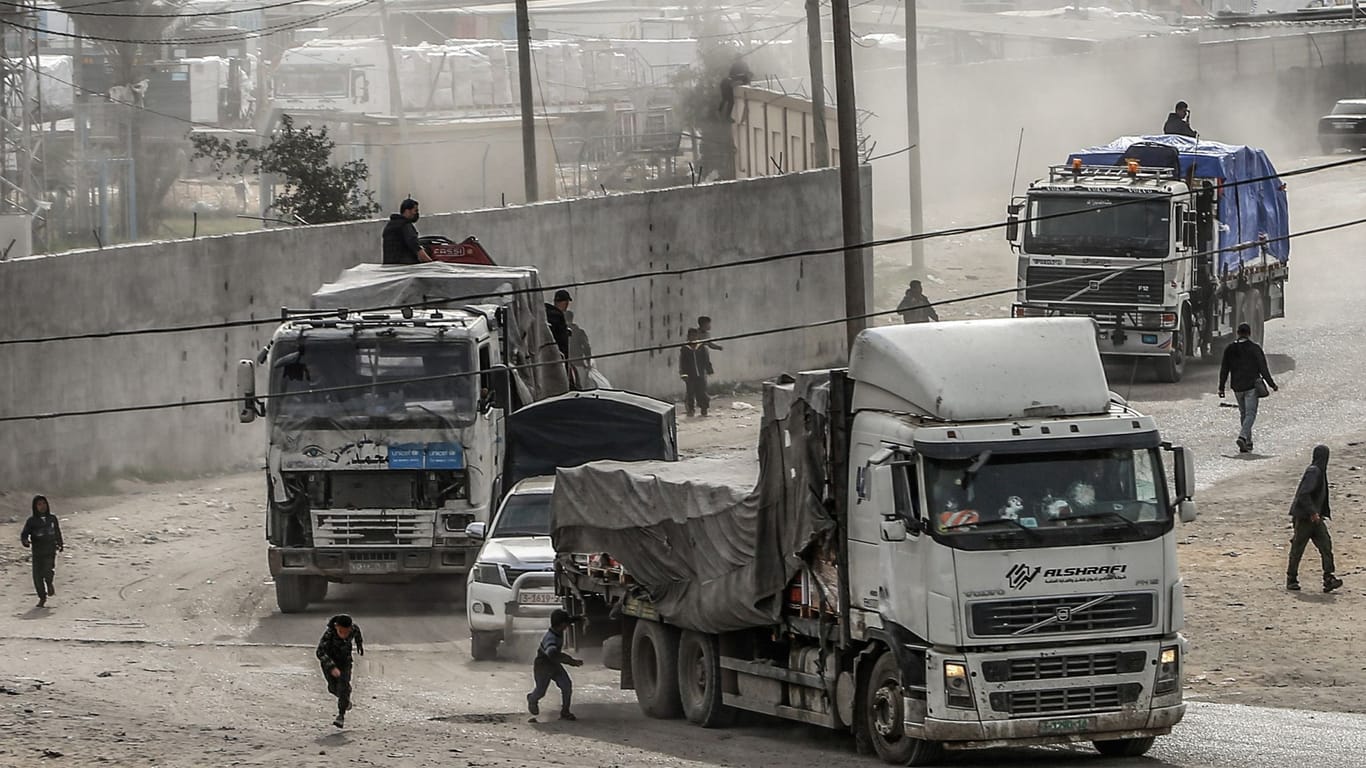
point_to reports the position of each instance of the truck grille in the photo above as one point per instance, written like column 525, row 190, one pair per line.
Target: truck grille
column 1054, row 667
column 1064, row 614
column 515, row 573
column 332, row 528
column 373, row 490
column 1139, row 286
column 1101, row 698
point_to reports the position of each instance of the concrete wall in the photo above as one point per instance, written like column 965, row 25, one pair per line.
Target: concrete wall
column 253, row 275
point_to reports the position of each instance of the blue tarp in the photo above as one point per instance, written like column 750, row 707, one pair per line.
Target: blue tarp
column 1246, row 211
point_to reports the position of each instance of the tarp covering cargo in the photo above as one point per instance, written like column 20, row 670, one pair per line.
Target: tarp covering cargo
column 713, row 550
column 373, row 286
column 579, row 427
column 1246, row 211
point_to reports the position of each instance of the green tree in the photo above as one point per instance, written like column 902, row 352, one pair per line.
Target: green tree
column 315, row 189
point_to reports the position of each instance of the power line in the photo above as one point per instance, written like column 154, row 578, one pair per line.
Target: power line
column 665, row 347
column 677, row 272
column 164, row 15
column 212, row 38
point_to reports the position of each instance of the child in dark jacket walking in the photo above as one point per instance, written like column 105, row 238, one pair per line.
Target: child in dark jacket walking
column 549, row 667
column 694, row 366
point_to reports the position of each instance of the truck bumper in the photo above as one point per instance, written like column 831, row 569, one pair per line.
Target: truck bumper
column 1115, row 338
column 364, row 564
column 1027, row 731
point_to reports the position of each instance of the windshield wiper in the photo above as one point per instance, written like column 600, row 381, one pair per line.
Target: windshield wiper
column 1107, row 513
column 1016, row 523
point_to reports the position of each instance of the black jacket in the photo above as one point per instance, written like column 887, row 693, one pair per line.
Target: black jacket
column 694, row 361
column 1175, row 126
column 559, row 328
column 1244, row 362
column 1311, row 497
column 43, row 532
column 333, row 651
column 400, row 241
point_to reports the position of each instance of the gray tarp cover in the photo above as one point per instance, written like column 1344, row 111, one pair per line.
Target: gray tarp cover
column 371, row 286
column 714, row 549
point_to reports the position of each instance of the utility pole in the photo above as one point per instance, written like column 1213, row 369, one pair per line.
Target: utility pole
column 913, row 139
column 528, row 117
column 855, row 279
column 817, row 58
column 405, row 167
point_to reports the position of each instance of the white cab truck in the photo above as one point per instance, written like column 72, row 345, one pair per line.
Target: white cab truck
column 963, row 540
column 385, row 412
column 1169, row 243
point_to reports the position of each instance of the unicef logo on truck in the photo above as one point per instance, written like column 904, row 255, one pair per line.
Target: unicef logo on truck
column 428, row 456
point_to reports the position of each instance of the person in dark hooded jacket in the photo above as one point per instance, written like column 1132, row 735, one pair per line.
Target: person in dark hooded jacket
column 1309, row 512
column 399, row 239
column 1178, row 122
column 44, row 535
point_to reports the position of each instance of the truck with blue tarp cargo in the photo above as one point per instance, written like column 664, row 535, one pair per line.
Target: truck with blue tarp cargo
column 1167, row 242
column 385, row 413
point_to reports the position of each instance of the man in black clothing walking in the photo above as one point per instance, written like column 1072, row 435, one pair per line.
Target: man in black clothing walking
column 400, row 236
column 334, row 653
column 549, row 667
column 694, row 366
column 1310, row 512
column 1178, row 122
column 1245, row 364
column 44, row 535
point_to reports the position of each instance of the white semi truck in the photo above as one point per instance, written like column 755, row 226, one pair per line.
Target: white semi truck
column 963, row 540
column 1167, row 242
column 385, row 418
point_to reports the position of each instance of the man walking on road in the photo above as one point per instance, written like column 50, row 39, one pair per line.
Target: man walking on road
column 549, row 667
column 44, row 535
column 334, row 653
column 399, row 238
column 915, row 307
column 1310, row 513
column 1244, row 366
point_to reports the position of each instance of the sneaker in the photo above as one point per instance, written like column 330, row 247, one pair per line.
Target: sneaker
column 1293, row 586
column 42, row 601
column 532, row 707
column 340, row 722
column 1243, row 445
column 567, row 716
column 1331, row 583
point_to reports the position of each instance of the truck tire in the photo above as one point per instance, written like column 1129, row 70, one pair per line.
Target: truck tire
column 699, row 681
column 881, row 716
column 1171, row 368
column 611, row 652
column 317, row 589
column 654, row 664
column 291, row 594
column 1125, row 747
column 484, row 645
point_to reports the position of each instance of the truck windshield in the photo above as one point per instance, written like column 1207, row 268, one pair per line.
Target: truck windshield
column 1098, row 225
column 1350, row 108
column 523, row 514
column 1060, row 497
column 380, row 375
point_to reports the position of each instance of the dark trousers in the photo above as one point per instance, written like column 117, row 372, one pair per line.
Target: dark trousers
column 340, row 687
column 44, row 568
column 546, row 672
column 696, row 396
column 1305, row 532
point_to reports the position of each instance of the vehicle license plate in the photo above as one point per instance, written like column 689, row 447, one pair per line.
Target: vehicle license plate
column 1071, row 725
column 382, row 566
column 538, row 598
column 1344, row 124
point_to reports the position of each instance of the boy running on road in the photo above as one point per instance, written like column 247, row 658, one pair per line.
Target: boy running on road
column 549, row 667
column 334, row 653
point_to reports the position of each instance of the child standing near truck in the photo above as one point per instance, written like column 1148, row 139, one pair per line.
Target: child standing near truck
column 549, row 667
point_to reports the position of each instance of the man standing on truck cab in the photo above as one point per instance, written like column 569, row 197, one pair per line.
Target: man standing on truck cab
column 334, row 653
column 1310, row 513
column 1179, row 122
column 44, row 535
column 549, row 667
column 1245, row 364
column 400, row 236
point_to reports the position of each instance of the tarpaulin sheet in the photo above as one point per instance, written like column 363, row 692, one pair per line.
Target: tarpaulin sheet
column 1247, row 211
column 579, row 427
column 438, row 284
column 713, row 549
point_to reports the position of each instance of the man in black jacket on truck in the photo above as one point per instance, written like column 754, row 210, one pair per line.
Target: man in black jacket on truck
column 400, row 236
column 1245, row 363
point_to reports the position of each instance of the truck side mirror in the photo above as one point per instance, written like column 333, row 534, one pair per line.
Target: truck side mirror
column 1186, row 511
column 249, row 408
column 1190, row 234
column 1183, row 465
column 498, row 381
column 1012, row 222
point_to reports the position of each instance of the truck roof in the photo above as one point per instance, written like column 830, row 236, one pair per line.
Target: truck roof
column 392, row 285
column 978, row 370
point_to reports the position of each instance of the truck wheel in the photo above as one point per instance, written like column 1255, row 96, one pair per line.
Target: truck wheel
column 317, row 589
column 883, row 718
column 611, row 652
column 699, row 681
column 1171, row 368
column 654, row 664
column 291, row 594
column 1125, row 747
column 484, row 645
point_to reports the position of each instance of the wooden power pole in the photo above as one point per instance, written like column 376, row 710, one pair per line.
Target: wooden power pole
column 817, row 58
column 528, row 116
column 855, row 277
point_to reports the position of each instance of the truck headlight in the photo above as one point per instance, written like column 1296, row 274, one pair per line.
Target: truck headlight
column 1168, row 671
column 488, row 573
column 957, row 688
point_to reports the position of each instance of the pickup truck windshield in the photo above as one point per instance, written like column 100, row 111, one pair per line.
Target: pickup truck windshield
column 379, row 373
column 1098, row 225
column 1064, row 497
column 523, row 514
